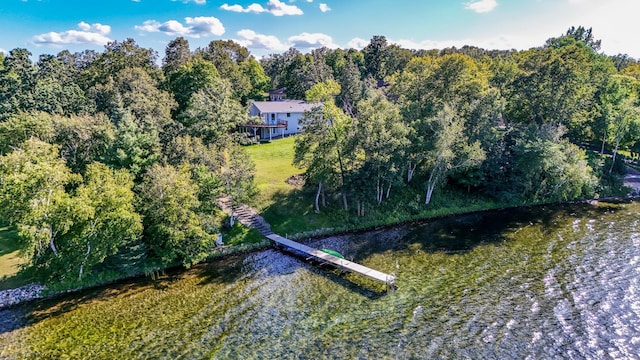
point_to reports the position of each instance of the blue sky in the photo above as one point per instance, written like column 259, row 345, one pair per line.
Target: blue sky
column 272, row 26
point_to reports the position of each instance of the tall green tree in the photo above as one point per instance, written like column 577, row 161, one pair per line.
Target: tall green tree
column 141, row 96
column 620, row 112
column 559, row 84
column 548, row 167
column 440, row 97
column 176, row 54
column 303, row 72
column 190, row 78
column 135, row 147
column 213, row 112
column 117, row 56
column 379, row 141
column 208, row 164
column 20, row 127
column 84, row 139
column 56, row 90
column 450, row 149
column 258, row 79
column 376, row 57
column 276, row 66
column 237, row 174
column 66, row 225
column 321, row 147
column 111, row 222
column 17, row 81
column 169, row 203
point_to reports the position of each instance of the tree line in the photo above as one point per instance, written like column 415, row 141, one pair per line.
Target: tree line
column 109, row 158
column 518, row 126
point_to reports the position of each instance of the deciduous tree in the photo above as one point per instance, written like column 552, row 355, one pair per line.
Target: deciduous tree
column 169, row 203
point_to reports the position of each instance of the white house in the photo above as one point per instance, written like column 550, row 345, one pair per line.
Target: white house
column 279, row 117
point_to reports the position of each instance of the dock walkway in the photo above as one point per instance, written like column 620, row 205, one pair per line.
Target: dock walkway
column 387, row 279
column 249, row 217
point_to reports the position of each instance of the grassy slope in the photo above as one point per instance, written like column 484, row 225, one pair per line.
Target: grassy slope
column 289, row 209
column 286, row 207
column 273, row 166
column 9, row 259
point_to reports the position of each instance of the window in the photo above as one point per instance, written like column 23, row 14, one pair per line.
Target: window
column 288, row 114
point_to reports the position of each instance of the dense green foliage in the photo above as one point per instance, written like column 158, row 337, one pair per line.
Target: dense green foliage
column 105, row 157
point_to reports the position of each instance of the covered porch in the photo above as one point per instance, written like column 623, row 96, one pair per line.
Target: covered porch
column 265, row 131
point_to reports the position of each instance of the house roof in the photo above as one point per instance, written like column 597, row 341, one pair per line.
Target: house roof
column 278, row 91
column 284, row 106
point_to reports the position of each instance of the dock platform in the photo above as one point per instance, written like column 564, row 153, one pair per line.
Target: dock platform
column 387, row 279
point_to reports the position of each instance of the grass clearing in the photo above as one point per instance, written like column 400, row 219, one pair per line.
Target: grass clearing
column 289, row 209
column 273, row 167
column 10, row 262
column 9, row 259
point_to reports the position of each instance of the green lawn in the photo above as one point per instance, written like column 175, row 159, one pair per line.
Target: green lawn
column 289, row 209
column 9, row 259
column 286, row 207
column 273, row 167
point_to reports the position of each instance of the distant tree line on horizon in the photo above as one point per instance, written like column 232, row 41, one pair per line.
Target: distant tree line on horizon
column 109, row 159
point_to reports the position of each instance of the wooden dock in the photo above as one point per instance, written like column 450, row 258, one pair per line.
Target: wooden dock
column 387, row 279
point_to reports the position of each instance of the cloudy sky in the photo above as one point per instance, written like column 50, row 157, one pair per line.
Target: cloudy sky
column 272, row 26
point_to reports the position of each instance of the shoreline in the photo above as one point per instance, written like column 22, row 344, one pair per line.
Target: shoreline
column 31, row 292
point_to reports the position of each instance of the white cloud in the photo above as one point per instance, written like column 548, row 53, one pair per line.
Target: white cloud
column 324, row 7
column 503, row 42
column 521, row 41
column 251, row 39
column 278, row 8
column 4, row 51
column 481, row 6
column 614, row 22
column 194, row 27
column 232, row 8
column 96, row 28
column 273, row 7
column 88, row 34
column 315, row 40
column 357, row 43
column 203, row 25
column 254, row 8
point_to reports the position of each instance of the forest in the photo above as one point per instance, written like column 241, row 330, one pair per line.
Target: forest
column 116, row 159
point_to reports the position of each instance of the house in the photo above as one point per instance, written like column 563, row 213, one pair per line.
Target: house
column 278, row 94
column 279, row 117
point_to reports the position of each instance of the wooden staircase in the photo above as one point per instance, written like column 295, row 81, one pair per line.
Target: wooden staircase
column 246, row 215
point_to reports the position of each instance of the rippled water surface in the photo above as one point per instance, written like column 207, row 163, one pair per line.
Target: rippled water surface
column 546, row 282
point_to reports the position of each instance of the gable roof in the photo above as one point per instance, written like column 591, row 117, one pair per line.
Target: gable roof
column 278, row 91
column 284, row 106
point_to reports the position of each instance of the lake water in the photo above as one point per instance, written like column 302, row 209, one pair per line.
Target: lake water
column 545, row 282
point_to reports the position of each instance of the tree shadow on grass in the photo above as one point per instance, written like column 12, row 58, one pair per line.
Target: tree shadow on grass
column 293, row 212
column 8, row 240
